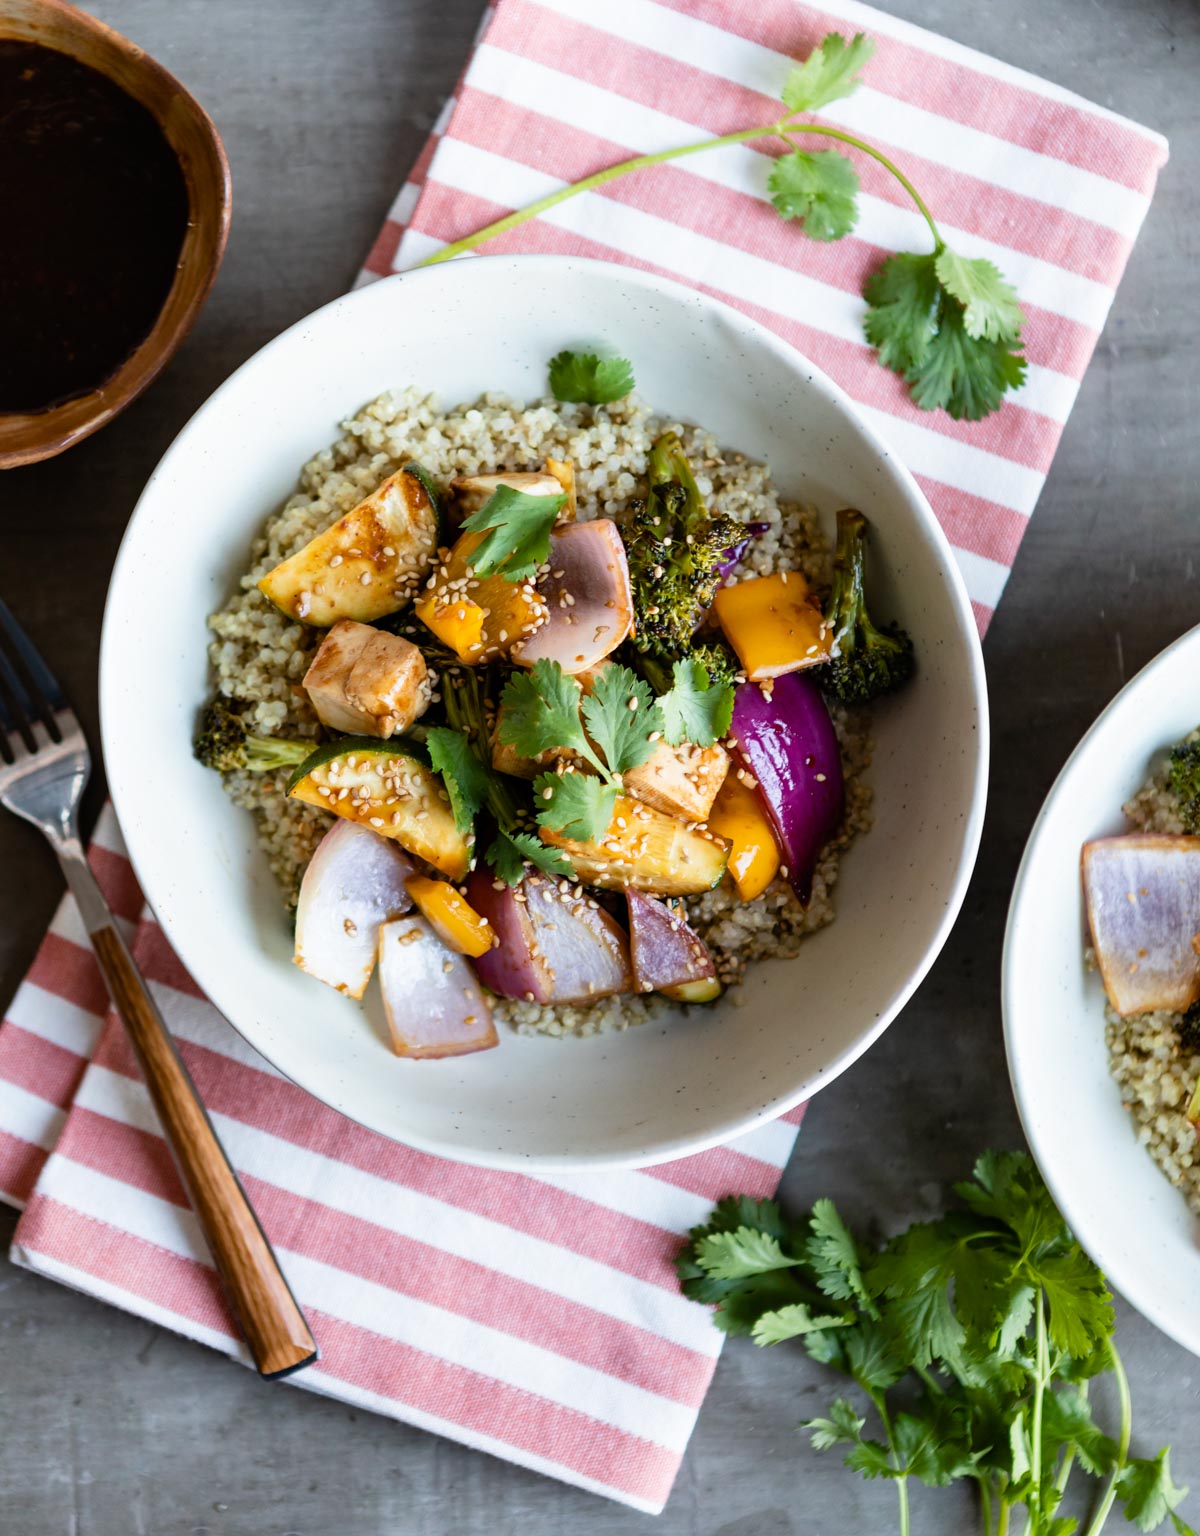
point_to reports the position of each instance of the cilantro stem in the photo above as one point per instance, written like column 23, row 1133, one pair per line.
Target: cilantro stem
column 1110, row 1493
column 894, row 1456
column 985, row 1500
column 590, row 183
column 1002, row 1523
column 1034, row 1502
column 881, row 159
column 781, row 129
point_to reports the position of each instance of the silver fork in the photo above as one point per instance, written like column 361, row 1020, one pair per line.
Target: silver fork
column 44, row 766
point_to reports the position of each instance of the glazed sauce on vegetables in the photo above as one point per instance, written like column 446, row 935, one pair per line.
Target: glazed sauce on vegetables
column 93, row 210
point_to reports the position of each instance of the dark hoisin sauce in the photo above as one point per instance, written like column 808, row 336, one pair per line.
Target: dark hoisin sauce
column 93, row 211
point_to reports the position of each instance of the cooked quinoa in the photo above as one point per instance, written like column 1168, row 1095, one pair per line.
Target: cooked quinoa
column 1153, row 1066
column 260, row 656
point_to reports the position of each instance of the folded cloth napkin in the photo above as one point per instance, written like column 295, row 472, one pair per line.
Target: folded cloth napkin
column 538, row 1318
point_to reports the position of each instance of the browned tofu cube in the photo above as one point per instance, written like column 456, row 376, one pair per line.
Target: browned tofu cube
column 506, row 759
column 682, row 781
column 470, row 492
column 367, row 682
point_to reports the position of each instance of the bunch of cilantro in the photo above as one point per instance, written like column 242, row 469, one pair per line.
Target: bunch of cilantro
column 950, row 325
column 972, row 1341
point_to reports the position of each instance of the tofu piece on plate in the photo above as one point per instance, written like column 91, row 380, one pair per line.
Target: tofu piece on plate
column 367, row 682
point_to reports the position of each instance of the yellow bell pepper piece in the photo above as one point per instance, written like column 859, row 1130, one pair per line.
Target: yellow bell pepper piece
column 773, row 624
column 738, row 816
column 496, row 613
column 458, row 624
column 451, row 916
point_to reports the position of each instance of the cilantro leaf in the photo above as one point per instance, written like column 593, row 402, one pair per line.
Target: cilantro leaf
column 1081, row 1313
column 464, row 776
column 621, row 715
column 819, row 190
column 1148, row 1492
column 736, row 1211
column 540, row 711
column 964, row 377
column 872, row 1358
column 793, row 1321
column 743, row 1303
column 991, row 309
column 903, row 295
column 506, row 859
column 933, row 1447
column 919, row 326
column 510, row 851
column 1007, row 1187
column 870, row 1459
column 733, row 1255
column 1067, row 1420
column 592, row 380
column 517, row 528
column 579, row 805
column 843, row 1424
column 694, row 708
column 833, row 1255
column 829, row 73
column 914, row 1273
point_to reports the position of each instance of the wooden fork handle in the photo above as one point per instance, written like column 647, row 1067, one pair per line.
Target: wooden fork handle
column 271, row 1321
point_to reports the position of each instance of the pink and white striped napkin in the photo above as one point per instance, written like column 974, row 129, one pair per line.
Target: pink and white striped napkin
column 538, row 1318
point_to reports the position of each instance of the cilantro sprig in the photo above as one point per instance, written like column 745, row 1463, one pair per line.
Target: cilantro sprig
column 950, row 325
column 592, row 380
column 604, row 733
column 608, row 730
column 695, row 708
column 459, row 752
column 971, row 1339
column 517, row 528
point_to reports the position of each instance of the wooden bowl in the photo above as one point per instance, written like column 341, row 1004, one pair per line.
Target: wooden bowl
column 26, row 437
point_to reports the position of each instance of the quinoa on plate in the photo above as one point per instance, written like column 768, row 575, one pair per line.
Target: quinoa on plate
column 1154, row 1056
column 567, row 678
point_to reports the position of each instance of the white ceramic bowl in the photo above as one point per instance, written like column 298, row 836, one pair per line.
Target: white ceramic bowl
column 652, row 1093
column 1124, row 1212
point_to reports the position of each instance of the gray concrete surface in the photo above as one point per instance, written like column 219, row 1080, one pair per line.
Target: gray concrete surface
column 110, row 1427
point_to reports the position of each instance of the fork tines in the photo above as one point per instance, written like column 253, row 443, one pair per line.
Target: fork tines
column 29, row 692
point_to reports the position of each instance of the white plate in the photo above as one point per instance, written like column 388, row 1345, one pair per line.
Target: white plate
column 653, row 1093
column 1124, row 1212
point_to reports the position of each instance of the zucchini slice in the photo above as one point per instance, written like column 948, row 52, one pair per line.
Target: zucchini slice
column 389, row 787
column 706, row 989
column 369, row 563
column 648, row 850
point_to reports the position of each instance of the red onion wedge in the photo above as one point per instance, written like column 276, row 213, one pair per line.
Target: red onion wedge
column 585, row 951
column 434, row 1005
column 510, row 968
column 588, row 596
column 666, row 953
column 354, row 882
column 557, row 944
column 786, row 739
column 1143, row 906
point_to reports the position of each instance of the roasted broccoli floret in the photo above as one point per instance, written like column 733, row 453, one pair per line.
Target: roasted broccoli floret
column 714, row 655
column 225, row 742
column 1185, row 783
column 677, row 552
column 866, row 661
